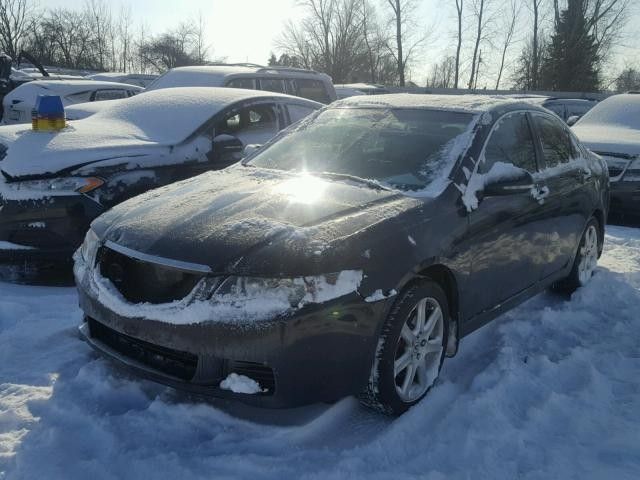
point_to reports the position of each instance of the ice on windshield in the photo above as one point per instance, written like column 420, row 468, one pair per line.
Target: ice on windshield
column 401, row 147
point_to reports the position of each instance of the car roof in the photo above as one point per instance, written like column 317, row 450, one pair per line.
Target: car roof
column 66, row 87
column 458, row 103
column 226, row 70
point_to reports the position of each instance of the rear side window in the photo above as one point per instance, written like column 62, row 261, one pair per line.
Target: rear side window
column 557, row 146
column 298, row 112
column 510, row 142
column 110, row 94
column 272, row 85
column 311, row 90
column 248, row 83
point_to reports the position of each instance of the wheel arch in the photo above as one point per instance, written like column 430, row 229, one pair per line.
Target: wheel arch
column 445, row 278
column 598, row 214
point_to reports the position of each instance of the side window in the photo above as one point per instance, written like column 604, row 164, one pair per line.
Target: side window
column 510, row 142
column 557, row 146
column 298, row 112
column 311, row 90
column 248, row 83
column 272, row 85
column 110, row 94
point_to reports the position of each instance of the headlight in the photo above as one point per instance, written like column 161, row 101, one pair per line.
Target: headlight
column 70, row 184
column 89, row 247
column 296, row 291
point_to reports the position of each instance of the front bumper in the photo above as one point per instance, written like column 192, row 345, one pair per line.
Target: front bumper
column 625, row 197
column 319, row 353
column 51, row 228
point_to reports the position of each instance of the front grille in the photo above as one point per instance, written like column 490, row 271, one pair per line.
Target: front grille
column 615, row 171
column 257, row 371
column 144, row 282
column 37, row 238
column 178, row 364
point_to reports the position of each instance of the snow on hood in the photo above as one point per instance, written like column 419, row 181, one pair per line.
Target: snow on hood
column 607, row 138
column 122, row 129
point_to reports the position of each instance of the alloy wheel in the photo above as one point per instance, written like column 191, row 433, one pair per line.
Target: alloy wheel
column 588, row 255
column 419, row 350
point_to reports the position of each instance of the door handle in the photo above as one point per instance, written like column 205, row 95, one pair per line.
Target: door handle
column 540, row 192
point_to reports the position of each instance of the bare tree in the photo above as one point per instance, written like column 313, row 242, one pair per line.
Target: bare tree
column 508, row 28
column 125, row 34
column 459, row 7
column 442, row 74
column 99, row 20
column 15, row 19
column 405, row 42
column 479, row 12
column 536, row 50
column 330, row 38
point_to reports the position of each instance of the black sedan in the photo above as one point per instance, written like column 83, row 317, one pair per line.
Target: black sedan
column 52, row 185
column 348, row 256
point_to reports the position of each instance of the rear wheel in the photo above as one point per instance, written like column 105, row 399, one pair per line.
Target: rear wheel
column 411, row 349
column 586, row 259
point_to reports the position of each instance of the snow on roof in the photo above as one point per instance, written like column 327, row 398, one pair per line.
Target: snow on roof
column 214, row 75
column 157, row 118
column 361, row 86
column 64, row 87
column 466, row 103
column 618, row 110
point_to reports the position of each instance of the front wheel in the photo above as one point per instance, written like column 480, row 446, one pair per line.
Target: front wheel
column 586, row 259
column 411, row 349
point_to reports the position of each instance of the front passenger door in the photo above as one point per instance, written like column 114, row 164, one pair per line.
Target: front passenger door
column 505, row 231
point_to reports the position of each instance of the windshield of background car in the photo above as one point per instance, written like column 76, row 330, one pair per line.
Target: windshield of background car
column 619, row 110
column 401, row 147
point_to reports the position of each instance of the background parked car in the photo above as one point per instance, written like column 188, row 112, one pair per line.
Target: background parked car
column 565, row 108
column 347, row 256
column 141, row 79
column 353, row 89
column 19, row 103
column 53, row 185
column 293, row 81
column 612, row 130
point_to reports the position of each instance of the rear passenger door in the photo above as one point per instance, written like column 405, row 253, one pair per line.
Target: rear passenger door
column 566, row 177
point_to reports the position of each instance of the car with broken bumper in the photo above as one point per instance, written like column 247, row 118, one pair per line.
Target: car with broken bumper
column 53, row 184
column 347, row 256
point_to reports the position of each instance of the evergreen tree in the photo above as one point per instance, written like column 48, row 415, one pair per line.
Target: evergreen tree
column 571, row 61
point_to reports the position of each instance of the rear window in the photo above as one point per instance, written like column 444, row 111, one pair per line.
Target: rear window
column 310, row 89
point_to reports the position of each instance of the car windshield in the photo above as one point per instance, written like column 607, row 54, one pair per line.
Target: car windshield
column 401, row 147
column 620, row 110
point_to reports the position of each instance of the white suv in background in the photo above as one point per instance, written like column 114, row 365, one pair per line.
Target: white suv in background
column 293, row 81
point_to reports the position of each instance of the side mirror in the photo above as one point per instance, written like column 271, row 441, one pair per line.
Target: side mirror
column 227, row 145
column 511, row 182
column 571, row 121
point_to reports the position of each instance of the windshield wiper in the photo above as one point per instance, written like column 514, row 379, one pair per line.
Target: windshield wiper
column 351, row 178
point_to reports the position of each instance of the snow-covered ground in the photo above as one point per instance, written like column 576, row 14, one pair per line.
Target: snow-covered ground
column 550, row 390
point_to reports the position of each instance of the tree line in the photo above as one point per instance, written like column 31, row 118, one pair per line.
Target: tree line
column 528, row 44
column 97, row 38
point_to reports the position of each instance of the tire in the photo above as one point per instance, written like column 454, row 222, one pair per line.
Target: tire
column 399, row 344
column 586, row 259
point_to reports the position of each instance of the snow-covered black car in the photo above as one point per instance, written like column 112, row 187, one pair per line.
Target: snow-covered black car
column 52, row 185
column 349, row 255
column 612, row 130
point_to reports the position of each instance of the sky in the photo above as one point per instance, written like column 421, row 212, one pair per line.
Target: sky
column 246, row 30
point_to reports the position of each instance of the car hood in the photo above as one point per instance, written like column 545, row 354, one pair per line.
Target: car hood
column 32, row 154
column 608, row 138
column 253, row 220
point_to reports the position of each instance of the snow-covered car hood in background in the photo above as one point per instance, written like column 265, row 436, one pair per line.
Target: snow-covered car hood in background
column 609, row 138
column 249, row 219
column 78, row 111
column 32, row 154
